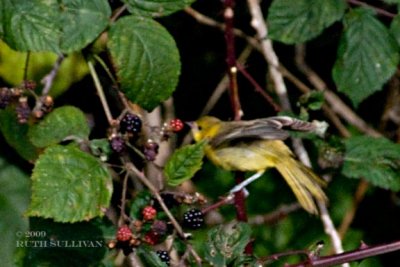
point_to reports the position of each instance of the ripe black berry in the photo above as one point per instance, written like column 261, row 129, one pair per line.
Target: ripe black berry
column 193, row 219
column 130, row 123
column 117, row 143
column 163, row 255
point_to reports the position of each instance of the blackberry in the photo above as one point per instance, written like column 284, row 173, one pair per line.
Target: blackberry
column 193, row 219
column 130, row 123
column 117, row 143
column 163, row 255
column 5, row 97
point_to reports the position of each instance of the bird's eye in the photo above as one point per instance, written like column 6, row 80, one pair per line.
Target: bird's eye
column 199, row 128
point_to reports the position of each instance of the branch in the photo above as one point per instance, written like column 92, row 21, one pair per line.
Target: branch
column 363, row 252
column 378, row 10
column 49, row 78
column 270, row 56
column 100, row 92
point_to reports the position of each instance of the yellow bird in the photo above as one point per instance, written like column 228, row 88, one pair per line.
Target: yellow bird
column 257, row 145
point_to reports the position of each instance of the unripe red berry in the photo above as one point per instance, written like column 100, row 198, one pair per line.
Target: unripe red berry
column 124, row 233
column 176, row 125
column 149, row 213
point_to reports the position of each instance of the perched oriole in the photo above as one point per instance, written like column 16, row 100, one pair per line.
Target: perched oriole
column 255, row 146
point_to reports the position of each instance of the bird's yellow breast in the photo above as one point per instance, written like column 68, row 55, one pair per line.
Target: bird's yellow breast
column 247, row 156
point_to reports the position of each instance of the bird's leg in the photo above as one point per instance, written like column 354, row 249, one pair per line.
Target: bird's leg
column 246, row 182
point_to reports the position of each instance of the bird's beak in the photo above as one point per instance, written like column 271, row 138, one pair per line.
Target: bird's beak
column 190, row 124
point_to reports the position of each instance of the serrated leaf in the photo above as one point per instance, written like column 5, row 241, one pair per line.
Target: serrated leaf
column 69, row 185
column 184, row 163
column 367, row 56
column 14, row 200
column 147, row 60
column 298, row 21
column 59, row 26
column 226, row 243
column 156, row 8
column 375, row 159
column 16, row 134
column 66, row 121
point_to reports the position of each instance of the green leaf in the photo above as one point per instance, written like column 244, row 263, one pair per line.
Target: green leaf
column 149, row 257
column 226, row 243
column 395, row 28
column 14, row 200
column 66, row 121
column 156, row 8
column 184, row 163
column 298, row 21
column 58, row 26
column 146, row 58
column 16, row 134
column 367, row 56
column 375, row 159
column 69, row 185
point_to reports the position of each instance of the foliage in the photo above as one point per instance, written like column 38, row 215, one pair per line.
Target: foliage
column 71, row 69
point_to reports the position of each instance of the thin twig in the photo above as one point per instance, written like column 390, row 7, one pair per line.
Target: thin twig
column 350, row 214
column 100, row 92
column 258, row 23
column 49, row 78
column 378, row 10
column 123, row 197
column 258, row 88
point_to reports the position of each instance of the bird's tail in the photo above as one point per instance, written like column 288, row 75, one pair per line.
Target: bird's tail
column 306, row 185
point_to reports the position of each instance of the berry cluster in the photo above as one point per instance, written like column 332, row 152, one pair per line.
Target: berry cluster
column 18, row 97
column 151, row 228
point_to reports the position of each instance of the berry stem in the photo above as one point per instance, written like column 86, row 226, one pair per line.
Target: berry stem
column 100, row 92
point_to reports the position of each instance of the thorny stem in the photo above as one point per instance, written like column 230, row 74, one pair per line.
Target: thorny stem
column 231, row 58
column 100, row 92
column 363, row 252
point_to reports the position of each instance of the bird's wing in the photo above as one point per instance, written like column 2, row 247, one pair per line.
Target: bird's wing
column 266, row 128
